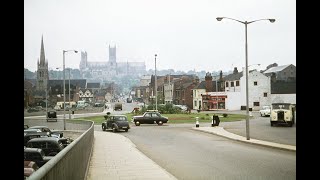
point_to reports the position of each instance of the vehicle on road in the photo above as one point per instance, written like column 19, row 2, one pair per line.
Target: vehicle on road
column 118, row 106
column 282, row 113
column 29, row 168
column 265, row 111
column 150, row 117
column 55, row 133
column 52, row 116
column 116, row 123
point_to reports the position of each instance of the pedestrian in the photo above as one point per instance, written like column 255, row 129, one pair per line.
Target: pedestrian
column 199, row 108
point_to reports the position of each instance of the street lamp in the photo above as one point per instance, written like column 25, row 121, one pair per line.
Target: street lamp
column 246, row 49
column 64, row 89
column 155, row 77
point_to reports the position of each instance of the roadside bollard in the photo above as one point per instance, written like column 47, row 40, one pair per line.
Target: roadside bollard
column 250, row 113
column 212, row 121
column 197, row 121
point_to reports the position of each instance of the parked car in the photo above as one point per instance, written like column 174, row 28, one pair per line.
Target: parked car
column 282, row 113
column 37, row 155
column 56, row 133
column 150, row 117
column 50, row 145
column 265, row 111
column 116, row 123
column 29, row 168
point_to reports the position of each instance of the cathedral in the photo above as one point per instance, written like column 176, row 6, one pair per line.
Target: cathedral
column 42, row 71
column 107, row 70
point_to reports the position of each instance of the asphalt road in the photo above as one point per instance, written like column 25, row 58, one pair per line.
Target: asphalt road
column 189, row 154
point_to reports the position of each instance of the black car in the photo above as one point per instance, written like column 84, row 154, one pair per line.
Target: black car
column 116, row 123
column 37, row 155
column 150, row 118
column 50, row 145
column 52, row 115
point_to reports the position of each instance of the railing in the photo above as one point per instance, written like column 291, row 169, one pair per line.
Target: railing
column 73, row 161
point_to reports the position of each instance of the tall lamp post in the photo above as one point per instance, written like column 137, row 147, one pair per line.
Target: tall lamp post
column 155, row 79
column 64, row 89
column 246, row 49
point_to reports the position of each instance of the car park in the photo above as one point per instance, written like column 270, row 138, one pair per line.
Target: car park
column 282, row 113
column 265, row 111
column 150, row 117
column 116, row 123
column 50, row 145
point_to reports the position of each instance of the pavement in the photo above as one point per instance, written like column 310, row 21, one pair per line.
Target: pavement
column 116, row 157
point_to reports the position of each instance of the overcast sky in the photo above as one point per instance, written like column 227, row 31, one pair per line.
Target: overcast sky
column 183, row 33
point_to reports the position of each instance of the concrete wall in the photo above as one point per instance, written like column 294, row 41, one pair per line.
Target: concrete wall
column 256, row 92
column 233, row 101
column 73, row 161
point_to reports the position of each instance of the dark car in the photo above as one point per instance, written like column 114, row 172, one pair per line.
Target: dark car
column 52, row 116
column 29, row 168
column 50, row 145
column 37, row 155
column 116, row 123
column 55, row 133
column 150, row 117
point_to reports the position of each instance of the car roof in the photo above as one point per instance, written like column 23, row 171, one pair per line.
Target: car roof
column 41, row 139
column 27, row 149
column 36, row 127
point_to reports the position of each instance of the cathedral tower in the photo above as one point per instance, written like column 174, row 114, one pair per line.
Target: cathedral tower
column 42, row 71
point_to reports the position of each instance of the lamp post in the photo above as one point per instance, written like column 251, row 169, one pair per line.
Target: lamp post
column 69, row 95
column 64, row 88
column 246, row 52
column 155, row 79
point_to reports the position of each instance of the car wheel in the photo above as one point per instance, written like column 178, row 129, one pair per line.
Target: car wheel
column 137, row 123
column 271, row 123
column 114, row 129
column 261, row 114
column 126, row 130
column 160, row 123
column 103, row 128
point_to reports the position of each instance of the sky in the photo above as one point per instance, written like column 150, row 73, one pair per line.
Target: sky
column 184, row 34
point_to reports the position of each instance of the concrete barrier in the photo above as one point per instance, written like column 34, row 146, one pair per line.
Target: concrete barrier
column 73, row 161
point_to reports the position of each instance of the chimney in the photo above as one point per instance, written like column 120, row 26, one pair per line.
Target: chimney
column 235, row 70
column 209, row 85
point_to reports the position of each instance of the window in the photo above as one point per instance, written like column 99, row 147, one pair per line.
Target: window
column 237, row 83
column 195, row 103
column 232, row 84
column 255, row 83
column 256, row 103
column 265, row 94
column 227, row 84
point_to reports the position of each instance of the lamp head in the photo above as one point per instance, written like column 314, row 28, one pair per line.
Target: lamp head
column 272, row 20
column 219, row 18
column 155, row 55
column 75, row 51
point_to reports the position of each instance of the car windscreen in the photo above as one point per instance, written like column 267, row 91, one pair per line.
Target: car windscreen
column 120, row 118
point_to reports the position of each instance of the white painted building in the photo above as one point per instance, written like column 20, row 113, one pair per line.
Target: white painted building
column 197, row 98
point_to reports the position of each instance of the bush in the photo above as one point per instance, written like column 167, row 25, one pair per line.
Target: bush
column 224, row 115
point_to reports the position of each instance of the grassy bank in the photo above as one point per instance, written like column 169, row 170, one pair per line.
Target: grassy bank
column 181, row 118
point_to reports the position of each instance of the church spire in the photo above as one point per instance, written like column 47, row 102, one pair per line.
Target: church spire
column 42, row 56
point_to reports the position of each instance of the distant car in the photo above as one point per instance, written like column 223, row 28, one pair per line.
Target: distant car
column 52, row 116
column 150, row 117
column 118, row 106
column 265, row 111
column 116, row 123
